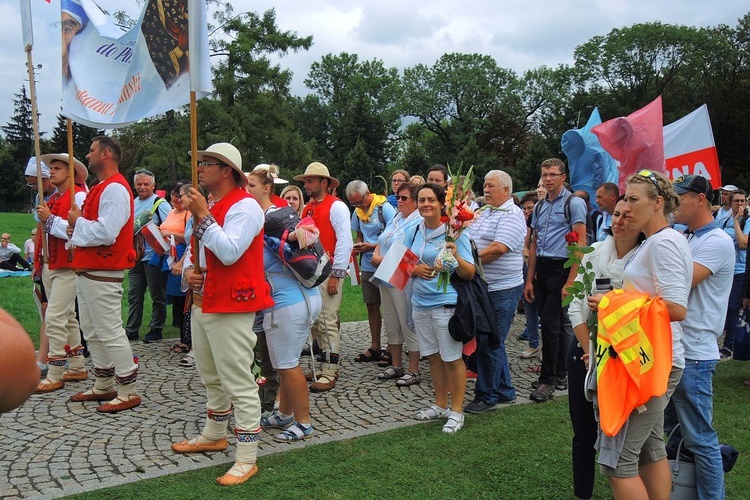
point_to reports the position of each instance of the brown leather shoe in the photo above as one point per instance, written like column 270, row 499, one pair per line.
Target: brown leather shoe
column 93, row 396
column 120, row 404
column 229, row 480
column 309, row 376
column 188, row 447
column 323, row 384
column 48, row 385
column 75, row 375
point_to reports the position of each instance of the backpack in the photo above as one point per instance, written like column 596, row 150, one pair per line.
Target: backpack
column 474, row 314
column 311, row 265
column 591, row 228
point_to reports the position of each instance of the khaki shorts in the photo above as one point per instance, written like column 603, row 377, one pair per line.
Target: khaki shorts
column 644, row 438
column 370, row 291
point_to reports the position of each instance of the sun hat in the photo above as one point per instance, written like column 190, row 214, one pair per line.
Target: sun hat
column 317, row 169
column 82, row 173
column 228, row 154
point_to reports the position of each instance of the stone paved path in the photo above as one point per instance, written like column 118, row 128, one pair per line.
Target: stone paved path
column 51, row 447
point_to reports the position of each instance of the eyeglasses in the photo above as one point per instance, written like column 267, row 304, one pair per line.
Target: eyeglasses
column 397, row 181
column 648, row 174
column 551, row 175
column 209, row 164
column 403, row 198
column 143, row 171
column 359, row 203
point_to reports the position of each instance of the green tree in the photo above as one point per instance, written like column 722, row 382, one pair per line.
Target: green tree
column 82, row 137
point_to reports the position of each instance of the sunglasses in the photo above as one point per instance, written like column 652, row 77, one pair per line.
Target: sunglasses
column 403, row 198
column 210, row 164
column 648, row 174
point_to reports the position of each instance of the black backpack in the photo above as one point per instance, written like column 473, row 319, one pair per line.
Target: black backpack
column 311, row 266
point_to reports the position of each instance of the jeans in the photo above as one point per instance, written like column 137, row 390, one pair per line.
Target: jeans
column 733, row 310
column 548, row 285
column 493, row 375
column 692, row 406
column 143, row 276
column 532, row 319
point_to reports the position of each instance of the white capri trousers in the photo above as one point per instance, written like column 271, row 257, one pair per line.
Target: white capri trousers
column 393, row 301
column 287, row 330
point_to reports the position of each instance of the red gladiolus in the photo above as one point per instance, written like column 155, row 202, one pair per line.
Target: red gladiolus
column 465, row 214
column 444, row 219
column 571, row 237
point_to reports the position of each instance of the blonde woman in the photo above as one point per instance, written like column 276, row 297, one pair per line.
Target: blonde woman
column 293, row 196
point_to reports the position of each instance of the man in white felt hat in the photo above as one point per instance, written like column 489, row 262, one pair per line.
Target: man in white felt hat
column 227, row 292
column 58, row 276
column 332, row 218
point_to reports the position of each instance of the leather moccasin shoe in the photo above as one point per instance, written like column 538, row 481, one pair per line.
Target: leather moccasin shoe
column 323, row 384
column 48, row 385
column 74, row 376
column 231, row 480
column 93, row 396
column 119, row 404
column 188, row 447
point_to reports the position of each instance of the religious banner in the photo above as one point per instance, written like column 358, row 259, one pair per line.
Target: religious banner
column 113, row 77
column 689, row 147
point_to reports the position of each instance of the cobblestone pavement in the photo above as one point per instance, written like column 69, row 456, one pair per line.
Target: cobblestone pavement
column 52, row 448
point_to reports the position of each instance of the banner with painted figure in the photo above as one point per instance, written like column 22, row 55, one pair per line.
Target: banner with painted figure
column 636, row 141
column 113, row 77
column 689, row 147
column 589, row 164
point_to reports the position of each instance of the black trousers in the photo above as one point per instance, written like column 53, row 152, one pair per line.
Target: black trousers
column 548, row 284
column 13, row 263
column 584, row 424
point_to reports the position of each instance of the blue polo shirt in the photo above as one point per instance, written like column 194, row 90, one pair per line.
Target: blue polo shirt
column 550, row 225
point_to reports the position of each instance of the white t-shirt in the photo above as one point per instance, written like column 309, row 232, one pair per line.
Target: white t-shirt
column 707, row 303
column 663, row 266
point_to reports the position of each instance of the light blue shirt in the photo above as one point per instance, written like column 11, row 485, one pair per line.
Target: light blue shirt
column 398, row 229
column 371, row 230
column 159, row 216
column 551, row 227
column 601, row 234
column 286, row 290
column 740, row 256
column 427, row 244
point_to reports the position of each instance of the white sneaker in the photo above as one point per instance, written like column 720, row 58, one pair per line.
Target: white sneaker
column 455, row 422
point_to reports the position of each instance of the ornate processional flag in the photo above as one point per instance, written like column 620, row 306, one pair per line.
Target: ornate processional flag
column 112, row 77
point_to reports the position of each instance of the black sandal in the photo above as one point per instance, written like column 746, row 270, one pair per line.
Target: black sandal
column 374, row 355
column 385, row 359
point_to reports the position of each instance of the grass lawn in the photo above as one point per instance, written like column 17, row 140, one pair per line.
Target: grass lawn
column 520, row 452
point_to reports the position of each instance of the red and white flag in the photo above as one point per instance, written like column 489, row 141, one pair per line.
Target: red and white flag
column 689, row 147
column 154, row 238
column 397, row 265
column 172, row 259
column 354, row 270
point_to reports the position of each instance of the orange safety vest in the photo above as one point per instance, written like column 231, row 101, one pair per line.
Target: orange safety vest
column 634, row 355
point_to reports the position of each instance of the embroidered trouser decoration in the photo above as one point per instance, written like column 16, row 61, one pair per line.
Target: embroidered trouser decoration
column 216, row 423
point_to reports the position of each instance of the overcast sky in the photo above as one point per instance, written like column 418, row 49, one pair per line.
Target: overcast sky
column 520, row 35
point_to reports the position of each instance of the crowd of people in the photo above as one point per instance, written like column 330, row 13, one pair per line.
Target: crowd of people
column 237, row 303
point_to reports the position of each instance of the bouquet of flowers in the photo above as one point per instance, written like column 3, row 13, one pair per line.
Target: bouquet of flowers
column 581, row 289
column 460, row 216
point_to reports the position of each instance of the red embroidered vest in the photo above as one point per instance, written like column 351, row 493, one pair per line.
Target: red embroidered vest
column 321, row 214
column 58, row 255
column 241, row 287
column 120, row 254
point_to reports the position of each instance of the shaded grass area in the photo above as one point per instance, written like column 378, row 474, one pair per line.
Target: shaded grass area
column 520, row 452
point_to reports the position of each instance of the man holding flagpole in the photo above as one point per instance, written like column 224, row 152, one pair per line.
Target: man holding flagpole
column 102, row 236
column 59, row 277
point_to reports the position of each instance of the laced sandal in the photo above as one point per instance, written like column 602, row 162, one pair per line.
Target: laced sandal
column 455, row 422
column 47, row 385
column 273, row 421
column 391, row 373
column 295, row 432
column 434, row 412
column 72, row 375
column 238, row 474
column 409, row 378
